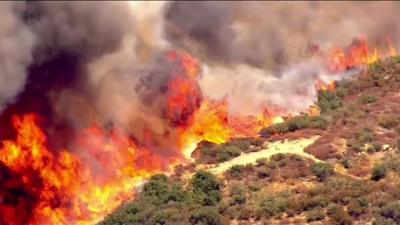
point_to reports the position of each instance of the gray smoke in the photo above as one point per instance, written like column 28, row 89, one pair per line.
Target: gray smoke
column 258, row 50
column 85, row 29
column 261, row 50
column 273, row 35
column 16, row 44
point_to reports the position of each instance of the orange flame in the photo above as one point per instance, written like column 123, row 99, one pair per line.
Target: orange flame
column 68, row 190
column 82, row 187
column 213, row 123
column 357, row 54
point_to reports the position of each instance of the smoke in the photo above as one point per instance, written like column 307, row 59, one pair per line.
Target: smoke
column 16, row 46
column 261, row 50
column 106, row 60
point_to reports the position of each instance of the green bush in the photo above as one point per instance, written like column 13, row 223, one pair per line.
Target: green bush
column 274, row 205
column 241, row 143
column 315, row 215
column 388, row 121
column 295, row 123
column 205, row 182
column 391, row 211
column 205, row 216
column 374, row 147
column 211, row 198
column 367, row 99
column 322, row 170
column 157, row 187
column 396, row 59
column 378, row 172
column 365, row 135
column 376, row 67
column 238, row 199
column 328, row 100
column 236, row 170
column 337, row 214
column 228, row 152
column 355, row 207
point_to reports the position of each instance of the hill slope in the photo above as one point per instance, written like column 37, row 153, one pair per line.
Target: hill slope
column 342, row 167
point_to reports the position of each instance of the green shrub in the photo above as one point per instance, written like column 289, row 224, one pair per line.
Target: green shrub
column 391, row 211
column 346, row 163
column 228, row 152
column 261, row 161
column 388, row 121
column 315, row 215
column 157, row 187
column 374, row 147
column 241, row 143
column 376, row 67
column 378, row 172
column 211, row 198
column 274, row 205
column 236, row 170
column 355, row 207
column 238, row 199
column 365, row 135
column 367, row 99
column 205, row 216
column 328, row 100
column 295, row 123
column 205, row 182
column 322, row 170
column 337, row 214
column 396, row 59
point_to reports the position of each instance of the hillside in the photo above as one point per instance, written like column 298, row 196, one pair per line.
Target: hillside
column 341, row 167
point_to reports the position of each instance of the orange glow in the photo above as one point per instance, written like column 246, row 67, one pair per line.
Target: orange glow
column 213, row 123
column 320, row 85
column 82, row 186
column 70, row 191
column 357, row 54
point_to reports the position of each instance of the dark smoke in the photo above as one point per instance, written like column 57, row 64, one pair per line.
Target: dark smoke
column 273, row 35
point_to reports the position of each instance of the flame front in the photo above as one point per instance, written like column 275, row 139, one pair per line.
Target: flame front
column 357, row 54
column 65, row 188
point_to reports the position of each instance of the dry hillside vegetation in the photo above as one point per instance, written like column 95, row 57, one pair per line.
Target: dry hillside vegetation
column 342, row 167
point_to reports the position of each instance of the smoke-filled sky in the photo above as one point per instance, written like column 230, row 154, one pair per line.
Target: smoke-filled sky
column 103, row 60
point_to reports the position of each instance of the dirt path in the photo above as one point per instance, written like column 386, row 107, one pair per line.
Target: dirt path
column 286, row 147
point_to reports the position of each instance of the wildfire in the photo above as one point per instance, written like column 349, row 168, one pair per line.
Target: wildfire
column 357, row 54
column 66, row 188
column 63, row 187
column 213, row 123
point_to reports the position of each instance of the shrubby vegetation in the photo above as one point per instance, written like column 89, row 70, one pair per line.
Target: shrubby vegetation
column 291, row 188
column 367, row 99
column 328, row 100
column 210, row 153
column 378, row 172
column 163, row 201
column 295, row 123
column 322, row 170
